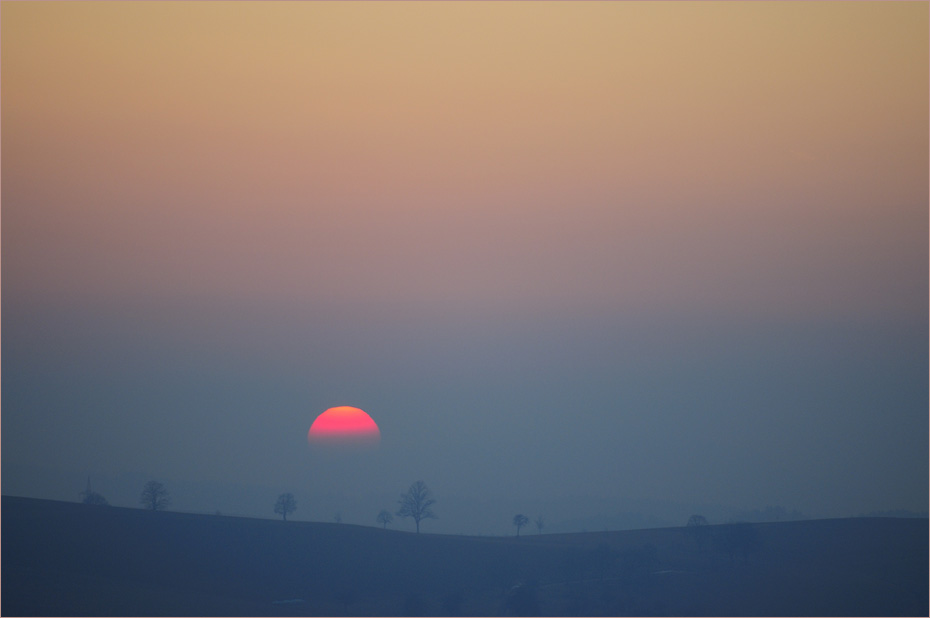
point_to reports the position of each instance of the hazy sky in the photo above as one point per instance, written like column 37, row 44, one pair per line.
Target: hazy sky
column 590, row 254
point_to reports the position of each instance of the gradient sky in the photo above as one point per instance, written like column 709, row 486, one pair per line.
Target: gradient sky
column 571, row 257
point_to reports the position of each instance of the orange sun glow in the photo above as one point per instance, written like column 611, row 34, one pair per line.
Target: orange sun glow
column 344, row 425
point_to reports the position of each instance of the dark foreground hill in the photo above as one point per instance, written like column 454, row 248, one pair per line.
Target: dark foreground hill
column 72, row 559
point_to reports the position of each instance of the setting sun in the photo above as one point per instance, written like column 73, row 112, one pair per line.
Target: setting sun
column 344, row 425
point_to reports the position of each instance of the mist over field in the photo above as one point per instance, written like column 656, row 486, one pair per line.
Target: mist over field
column 611, row 264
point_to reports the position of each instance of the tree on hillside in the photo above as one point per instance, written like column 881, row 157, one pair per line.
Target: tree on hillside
column 697, row 520
column 696, row 528
column 285, row 504
column 154, row 496
column 95, row 499
column 416, row 503
column 89, row 496
column 539, row 524
column 384, row 518
column 520, row 520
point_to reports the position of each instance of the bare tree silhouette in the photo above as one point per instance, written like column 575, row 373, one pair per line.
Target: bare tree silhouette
column 154, row 496
column 285, row 504
column 520, row 520
column 416, row 503
column 539, row 524
column 385, row 517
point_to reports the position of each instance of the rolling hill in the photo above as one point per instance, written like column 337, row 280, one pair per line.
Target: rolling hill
column 63, row 558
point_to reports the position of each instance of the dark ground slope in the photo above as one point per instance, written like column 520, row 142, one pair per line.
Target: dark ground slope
column 63, row 558
column 70, row 559
column 838, row 567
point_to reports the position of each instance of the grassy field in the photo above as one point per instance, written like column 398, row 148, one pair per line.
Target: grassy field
column 71, row 559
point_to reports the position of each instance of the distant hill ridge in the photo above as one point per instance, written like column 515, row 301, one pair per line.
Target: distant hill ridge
column 63, row 558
